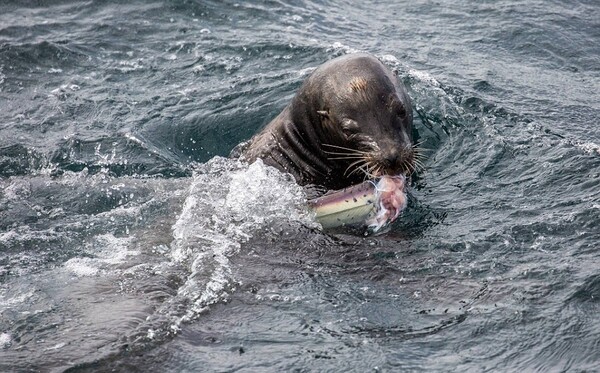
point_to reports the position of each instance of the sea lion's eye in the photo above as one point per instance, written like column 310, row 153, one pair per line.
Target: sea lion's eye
column 397, row 108
column 349, row 127
column 400, row 111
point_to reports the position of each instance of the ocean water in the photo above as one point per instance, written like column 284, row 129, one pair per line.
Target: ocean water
column 130, row 242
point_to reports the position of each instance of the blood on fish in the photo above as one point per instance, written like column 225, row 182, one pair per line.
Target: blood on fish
column 391, row 200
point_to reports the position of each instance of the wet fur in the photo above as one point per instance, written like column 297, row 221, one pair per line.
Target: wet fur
column 350, row 120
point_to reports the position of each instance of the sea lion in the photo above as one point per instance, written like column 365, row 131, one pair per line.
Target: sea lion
column 351, row 119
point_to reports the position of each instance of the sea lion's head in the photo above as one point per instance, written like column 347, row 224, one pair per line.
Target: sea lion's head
column 365, row 118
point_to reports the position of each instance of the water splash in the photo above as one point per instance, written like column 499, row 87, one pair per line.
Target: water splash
column 227, row 202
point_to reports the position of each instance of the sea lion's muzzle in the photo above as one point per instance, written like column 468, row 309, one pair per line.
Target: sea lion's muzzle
column 394, row 160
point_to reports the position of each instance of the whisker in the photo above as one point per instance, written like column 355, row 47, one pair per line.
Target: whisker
column 347, row 158
column 410, row 167
column 418, row 165
column 352, row 165
column 370, row 166
column 418, row 156
column 418, row 143
column 406, row 166
column 341, row 153
column 360, row 168
column 344, row 153
column 414, row 167
column 420, row 149
column 365, row 172
column 344, row 148
column 369, row 173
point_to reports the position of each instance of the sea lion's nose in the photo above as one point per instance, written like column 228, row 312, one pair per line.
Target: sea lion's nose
column 393, row 159
column 397, row 160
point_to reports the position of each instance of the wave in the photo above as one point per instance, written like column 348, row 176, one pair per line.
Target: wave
column 159, row 258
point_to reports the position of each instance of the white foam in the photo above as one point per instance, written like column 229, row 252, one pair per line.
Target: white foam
column 81, row 267
column 17, row 189
column 390, row 59
column 114, row 250
column 227, row 202
column 131, row 137
column 250, row 197
column 57, row 346
column 589, row 147
column 151, row 334
column 24, row 234
column 129, row 66
column 337, row 46
column 5, row 340
column 305, row 71
column 106, row 251
column 6, row 303
column 424, row 77
column 2, row 77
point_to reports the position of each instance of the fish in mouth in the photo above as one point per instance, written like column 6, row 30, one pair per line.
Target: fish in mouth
column 373, row 203
column 380, row 198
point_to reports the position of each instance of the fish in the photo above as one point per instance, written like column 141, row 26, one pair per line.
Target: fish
column 373, row 204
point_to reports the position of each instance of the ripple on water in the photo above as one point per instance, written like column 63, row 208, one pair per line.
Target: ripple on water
column 111, row 240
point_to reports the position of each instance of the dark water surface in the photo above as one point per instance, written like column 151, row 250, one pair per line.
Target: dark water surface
column 128, row 243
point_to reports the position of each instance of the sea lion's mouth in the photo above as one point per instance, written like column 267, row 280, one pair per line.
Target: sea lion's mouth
column 375, row 163
column 402, row 160
column 403, row 163
column 403, row 166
